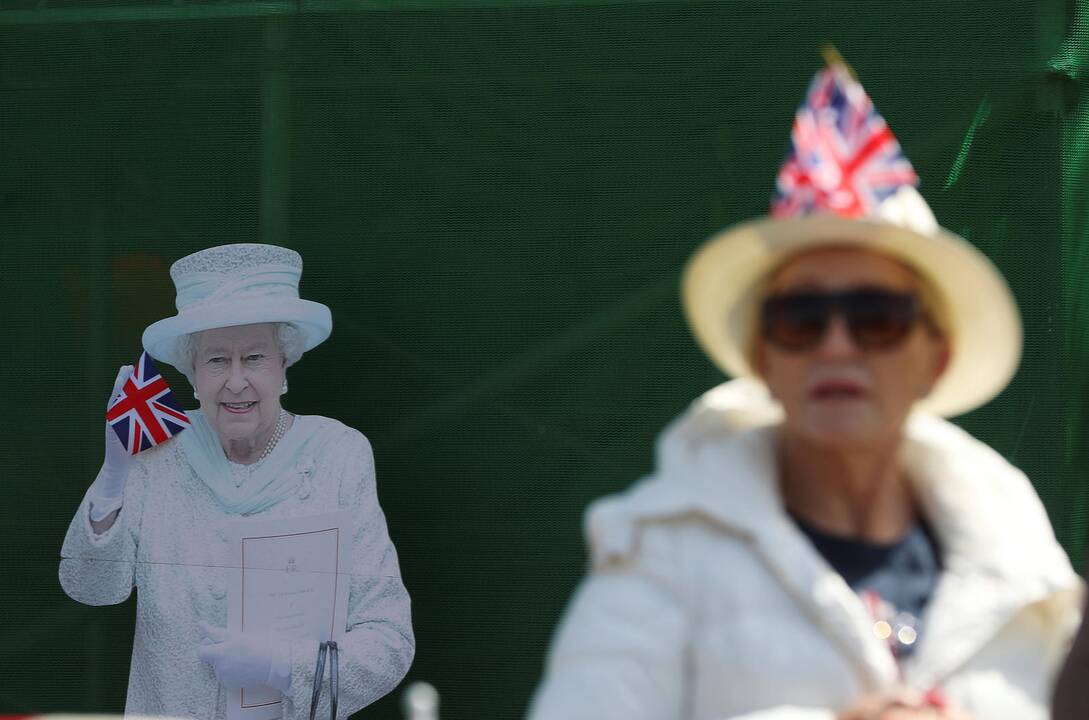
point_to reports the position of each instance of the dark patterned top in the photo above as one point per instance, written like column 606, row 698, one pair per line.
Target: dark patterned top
column 901, row 575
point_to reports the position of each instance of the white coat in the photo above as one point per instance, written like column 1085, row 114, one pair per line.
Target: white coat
column 705, row 602
column 170, row 543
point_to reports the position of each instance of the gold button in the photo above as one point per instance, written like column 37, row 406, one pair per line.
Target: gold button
column 882, row 629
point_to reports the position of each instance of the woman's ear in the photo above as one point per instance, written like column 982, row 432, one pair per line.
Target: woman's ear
column 944, row 359
column 943, row 354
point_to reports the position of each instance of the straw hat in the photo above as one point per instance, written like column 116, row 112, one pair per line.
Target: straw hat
column 819, row 203
column 231, row 285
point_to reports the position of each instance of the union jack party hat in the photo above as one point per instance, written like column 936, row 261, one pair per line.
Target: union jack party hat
column 843, row 158
column 846, row 182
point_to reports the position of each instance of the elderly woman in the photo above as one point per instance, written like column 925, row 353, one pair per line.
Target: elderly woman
column 815, row 542
column 158, row 521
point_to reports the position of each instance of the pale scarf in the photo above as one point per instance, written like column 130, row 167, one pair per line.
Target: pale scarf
column 275, row 478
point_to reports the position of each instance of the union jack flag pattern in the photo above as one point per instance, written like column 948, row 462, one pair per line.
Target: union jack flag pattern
column 145, row 412
column 843, row 157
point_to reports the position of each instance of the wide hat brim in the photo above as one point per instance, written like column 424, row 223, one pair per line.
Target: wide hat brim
column 162, row 339
column 721, row 280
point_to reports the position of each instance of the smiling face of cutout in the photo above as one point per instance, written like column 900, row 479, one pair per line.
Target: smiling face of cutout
column 238, row 373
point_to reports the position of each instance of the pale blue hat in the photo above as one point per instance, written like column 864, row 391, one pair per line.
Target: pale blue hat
column 239, row 284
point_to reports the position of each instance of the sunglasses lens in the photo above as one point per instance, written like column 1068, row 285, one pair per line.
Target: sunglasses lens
column 876, row 318
column 796, row 321
column 880, row 319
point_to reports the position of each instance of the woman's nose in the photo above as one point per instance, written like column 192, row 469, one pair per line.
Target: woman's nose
column 236, row 381
column 837, row 340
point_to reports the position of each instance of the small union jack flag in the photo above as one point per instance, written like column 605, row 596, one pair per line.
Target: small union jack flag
column 145, row 412
column 843, row 157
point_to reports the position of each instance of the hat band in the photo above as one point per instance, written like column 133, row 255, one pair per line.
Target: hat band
column 206, row 288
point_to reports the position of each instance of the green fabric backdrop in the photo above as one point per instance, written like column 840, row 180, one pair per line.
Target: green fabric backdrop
column 495, row 200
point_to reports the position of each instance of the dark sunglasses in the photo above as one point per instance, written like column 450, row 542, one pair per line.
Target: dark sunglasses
column 876, row 319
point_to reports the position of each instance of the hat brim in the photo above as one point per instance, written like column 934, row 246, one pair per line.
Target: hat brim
column 161, row 339
column 722, row 277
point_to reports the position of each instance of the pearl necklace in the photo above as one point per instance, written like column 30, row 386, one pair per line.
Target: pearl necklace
column 277, row 434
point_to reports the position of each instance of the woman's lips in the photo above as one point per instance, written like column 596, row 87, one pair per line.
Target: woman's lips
column 837, row 390
column 239, row 408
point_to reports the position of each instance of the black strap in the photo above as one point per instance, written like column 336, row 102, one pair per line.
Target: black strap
column 319, row 671
column 330, row 648
column 334, row 678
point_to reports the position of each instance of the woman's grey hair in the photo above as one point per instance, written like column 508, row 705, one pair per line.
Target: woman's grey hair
column 288, row 338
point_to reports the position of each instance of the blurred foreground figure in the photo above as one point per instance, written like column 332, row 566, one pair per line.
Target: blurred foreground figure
column 159, row 521
column 816, row 543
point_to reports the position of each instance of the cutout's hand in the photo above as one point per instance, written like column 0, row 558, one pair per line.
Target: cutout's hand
column 246, row 660
column 108, row 488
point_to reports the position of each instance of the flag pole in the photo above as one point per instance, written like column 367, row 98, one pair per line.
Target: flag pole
column 834, row 60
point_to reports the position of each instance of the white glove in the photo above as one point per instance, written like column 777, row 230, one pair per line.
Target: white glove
column 246, row 660
column 108, row 490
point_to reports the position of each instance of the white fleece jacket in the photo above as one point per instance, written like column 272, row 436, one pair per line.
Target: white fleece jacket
column 706, row 603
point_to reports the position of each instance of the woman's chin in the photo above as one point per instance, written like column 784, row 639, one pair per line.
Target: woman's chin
column 842, row 428
column 234, row 426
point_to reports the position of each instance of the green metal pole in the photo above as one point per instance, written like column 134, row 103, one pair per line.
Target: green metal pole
column 275, row 133
column 1071, row 66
